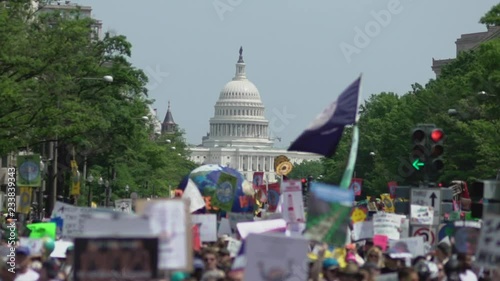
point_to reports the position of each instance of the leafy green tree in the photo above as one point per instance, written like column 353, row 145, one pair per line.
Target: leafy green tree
column 307, row 168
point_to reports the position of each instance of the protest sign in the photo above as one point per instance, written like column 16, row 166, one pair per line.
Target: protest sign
column 467, row 236
column 123, row 205
column 118, row 227
column 276, row 257
column 422, row 215
column 35, row 245
column 488, row 248
column 224, row 227
column 208, row 226
column 106, row 259
column 328, row 213
column 362, row 230
column 235, row 218
column 413, row 245
column 170, row 220
column 293, row 204
column 387, row 224
column 245, row 228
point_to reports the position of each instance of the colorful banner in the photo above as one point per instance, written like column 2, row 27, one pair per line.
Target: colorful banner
column 392, row 188
column 24, row 202
column 388, row 203
column 356, row 185
column 273, row 196
column 75, row 179
column 28, row 173
column 258, row 179
column 329, row 213
column 225, row 192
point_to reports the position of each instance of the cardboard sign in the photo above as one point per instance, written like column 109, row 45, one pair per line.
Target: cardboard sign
column 488, row 248
column 467, row 236
column 276, row 257
column 106, row 259
column 208, row 226
column 293, row 203
column 423, row 215
column 387, row 224
column 171, row 221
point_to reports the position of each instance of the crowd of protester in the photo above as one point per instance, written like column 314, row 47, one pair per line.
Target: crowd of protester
column 213, row 262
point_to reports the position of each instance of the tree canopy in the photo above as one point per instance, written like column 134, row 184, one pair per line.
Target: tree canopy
column 51, row 86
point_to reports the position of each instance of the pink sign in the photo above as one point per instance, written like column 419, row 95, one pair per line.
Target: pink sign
column 381, row 241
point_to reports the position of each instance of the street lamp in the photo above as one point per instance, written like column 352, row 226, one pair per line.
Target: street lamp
column 105, row 78
column 90, row 179
column 106, row 184
column 127, row 188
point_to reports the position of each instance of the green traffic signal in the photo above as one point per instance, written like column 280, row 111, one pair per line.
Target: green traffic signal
column 417, row 164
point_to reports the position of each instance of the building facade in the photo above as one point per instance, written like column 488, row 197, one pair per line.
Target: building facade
column 467, row 42
column 239, row 131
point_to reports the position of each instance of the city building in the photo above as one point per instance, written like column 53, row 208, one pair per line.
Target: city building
column 168, row 126
column 467, row 42
column 67, row 7
column 239, row 131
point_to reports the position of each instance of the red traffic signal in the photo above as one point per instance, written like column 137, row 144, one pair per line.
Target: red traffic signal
column 303, row 181
column 437, row 135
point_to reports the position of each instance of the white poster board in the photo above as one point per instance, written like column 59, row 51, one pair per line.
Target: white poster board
column 423, row 215
column 208, row 228
column 413, row 245
column 119, row 227
column 123, row 205
column 73, row 218
column 387, row 224
column 170, row 220
column 362, row 230
column 293, row 203
column 276, row 257
column 235, row 218
column 488, row 248
column 245, row 228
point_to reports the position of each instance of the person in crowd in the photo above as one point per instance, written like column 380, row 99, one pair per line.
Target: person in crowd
column 50, row 272
column 363, row 251
column 408, row 274
column 23, row 263
column 442, row 252
column 465, row 265
column 5, row 274
column 391, row 264
column 441, row 274
column 350, row 273
column 331, row 270
column 375, row 256
column 370, row 271
column 211, row 270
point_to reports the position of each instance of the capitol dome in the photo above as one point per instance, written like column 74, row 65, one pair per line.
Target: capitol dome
column 239, row 114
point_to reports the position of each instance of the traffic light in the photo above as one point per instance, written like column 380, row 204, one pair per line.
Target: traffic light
column 305, row 188
column 427, row 151
column 436, row 150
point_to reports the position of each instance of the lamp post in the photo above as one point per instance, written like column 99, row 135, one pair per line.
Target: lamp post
column 106, row 184
column 127, row 188
column 90, row 179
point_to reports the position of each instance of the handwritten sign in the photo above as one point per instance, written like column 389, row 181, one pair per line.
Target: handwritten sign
column 362, row 230
column 387, row 224
column 423, row 215
column 73, row 218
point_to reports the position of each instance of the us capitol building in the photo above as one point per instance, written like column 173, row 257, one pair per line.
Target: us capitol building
column 239, row 132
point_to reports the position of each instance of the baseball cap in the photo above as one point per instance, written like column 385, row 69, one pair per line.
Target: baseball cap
column 330, row 264
column 22, row 250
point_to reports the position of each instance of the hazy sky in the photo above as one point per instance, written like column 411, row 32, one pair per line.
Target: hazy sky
column 300, row 54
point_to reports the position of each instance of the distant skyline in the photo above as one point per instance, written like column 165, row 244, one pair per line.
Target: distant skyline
column 299, row 54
